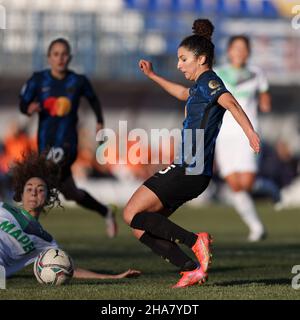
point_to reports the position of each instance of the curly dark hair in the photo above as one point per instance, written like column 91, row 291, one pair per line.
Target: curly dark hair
column 35, row 165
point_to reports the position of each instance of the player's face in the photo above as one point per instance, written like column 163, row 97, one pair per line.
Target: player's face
column 188, row 64
column 59, row 57
column 34, row 195
column 238, row 53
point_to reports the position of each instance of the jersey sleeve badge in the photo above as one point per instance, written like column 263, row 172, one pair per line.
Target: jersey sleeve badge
column 214, row 84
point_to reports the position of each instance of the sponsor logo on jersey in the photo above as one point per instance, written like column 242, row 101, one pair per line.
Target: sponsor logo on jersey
column 57, row 106
column 215, row 91
column 19, row 235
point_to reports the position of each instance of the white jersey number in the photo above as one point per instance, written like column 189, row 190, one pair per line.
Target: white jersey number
column 167, row 169
column 55, row 154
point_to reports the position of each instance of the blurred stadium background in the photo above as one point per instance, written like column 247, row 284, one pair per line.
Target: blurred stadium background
column 108, row 39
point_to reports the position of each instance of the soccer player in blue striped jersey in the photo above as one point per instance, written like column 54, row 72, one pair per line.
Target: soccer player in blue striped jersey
column 55, row 95
column 150, row 206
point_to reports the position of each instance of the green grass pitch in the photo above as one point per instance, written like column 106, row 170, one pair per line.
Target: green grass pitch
column 239, row 270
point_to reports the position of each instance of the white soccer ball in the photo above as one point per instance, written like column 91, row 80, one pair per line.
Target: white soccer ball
column 53, row 267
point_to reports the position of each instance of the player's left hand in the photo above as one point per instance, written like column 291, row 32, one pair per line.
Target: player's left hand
column 129, row 274
column 254, row 141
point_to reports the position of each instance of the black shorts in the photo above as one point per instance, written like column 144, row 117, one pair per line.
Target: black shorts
column 63, row 157
column 174, row 187
column 65, row 172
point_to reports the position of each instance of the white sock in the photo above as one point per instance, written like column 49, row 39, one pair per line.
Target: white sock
column 244, row 205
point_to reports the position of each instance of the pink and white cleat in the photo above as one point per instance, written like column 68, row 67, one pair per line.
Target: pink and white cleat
column 190, row 278
column 202, row 250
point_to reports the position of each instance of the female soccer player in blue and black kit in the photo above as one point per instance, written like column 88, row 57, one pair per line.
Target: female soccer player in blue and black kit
column 55, row 95
column 207, row 100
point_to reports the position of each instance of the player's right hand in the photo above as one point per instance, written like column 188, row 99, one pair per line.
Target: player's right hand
column 146, row 67
column 33, row 107
column 254, row 141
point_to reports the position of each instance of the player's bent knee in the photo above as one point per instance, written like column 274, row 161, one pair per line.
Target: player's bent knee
column 235, row 187
column 247, row 184
column 233, row 183
column 128, row 215
column 138, row 233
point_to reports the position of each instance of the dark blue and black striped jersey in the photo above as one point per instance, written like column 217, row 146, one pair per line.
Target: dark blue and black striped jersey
column 203, row 112
column 59, row 101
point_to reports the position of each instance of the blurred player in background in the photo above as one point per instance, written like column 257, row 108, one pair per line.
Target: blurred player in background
column 236, row 161
column 55, row 95
column 150, row 206
column 22, row 238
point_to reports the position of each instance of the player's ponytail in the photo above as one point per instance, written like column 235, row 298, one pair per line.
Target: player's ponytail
column 203, row 28
column 200, row 42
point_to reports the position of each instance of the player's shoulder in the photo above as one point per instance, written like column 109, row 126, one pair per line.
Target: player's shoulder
column 255, row 69
column 38, row 75
column 79, row 78
column 5, row 208
column 8, row 207
column 207, row 76
column 42, row 73
column 213, row 75
column 1, row 206
column 74, row 74
column 209, row 85
column 211, row 79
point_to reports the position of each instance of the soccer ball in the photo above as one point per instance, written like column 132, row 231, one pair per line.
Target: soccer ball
column 53, row 267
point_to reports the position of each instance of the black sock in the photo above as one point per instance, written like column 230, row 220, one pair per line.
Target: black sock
column 162, row 227
column 169, row 251
column 90, row 203
column 189, row 266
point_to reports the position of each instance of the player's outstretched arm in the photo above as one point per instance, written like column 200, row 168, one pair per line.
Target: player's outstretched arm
column 87, row 274
column 94, row 102
column 174, row 89
column 227, row 101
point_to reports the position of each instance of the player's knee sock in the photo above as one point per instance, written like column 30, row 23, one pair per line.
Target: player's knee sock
column 162, row 227
column 90, row 203
column 244, row 205
column 169, row 251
